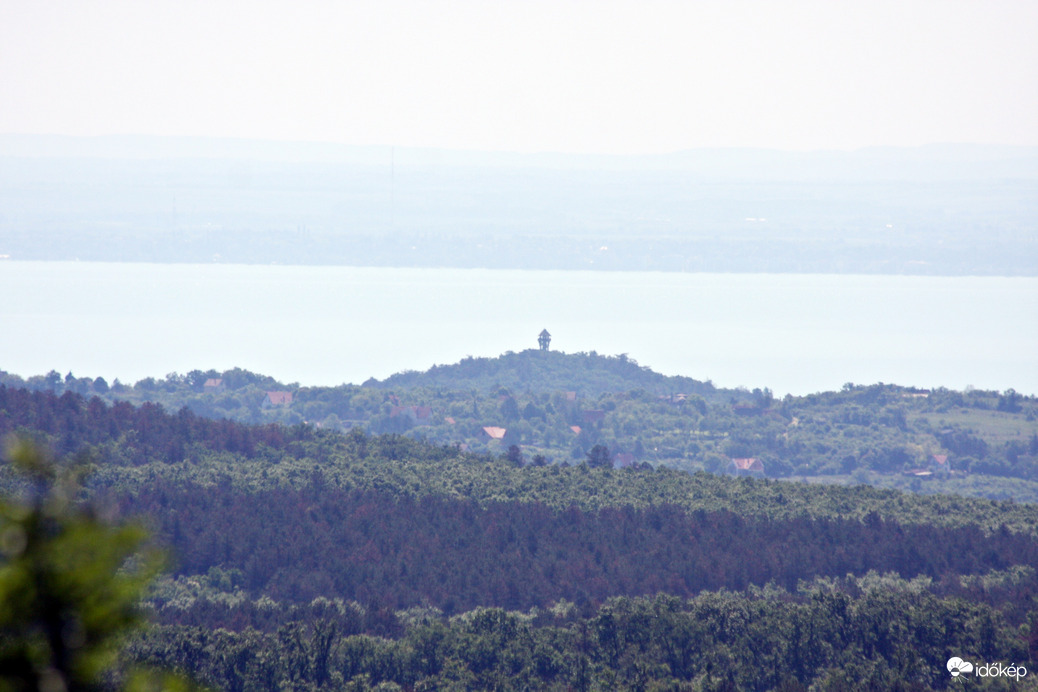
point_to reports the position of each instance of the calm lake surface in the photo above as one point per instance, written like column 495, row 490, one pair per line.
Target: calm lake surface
column 329, row 325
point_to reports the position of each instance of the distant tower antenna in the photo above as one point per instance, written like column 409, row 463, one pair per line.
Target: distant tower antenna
column 544, row 340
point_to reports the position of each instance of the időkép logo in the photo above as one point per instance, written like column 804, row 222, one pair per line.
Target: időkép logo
column 963, row 669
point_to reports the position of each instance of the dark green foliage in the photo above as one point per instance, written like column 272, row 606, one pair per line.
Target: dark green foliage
column 872, row 632
column 546, row 371
column 70, row 584
column 455, row 555
column 145, row 432
column 559, row 406
column 598, row 457
column 308, row 559
column 137, row 443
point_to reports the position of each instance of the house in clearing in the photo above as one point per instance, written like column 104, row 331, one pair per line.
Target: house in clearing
column 749, row 466
column 213, row 385
column 277, row 399
column 939, row 464
column 418, row 415
column 495, row 433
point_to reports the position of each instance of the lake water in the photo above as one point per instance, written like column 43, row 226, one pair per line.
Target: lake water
column 329, row 325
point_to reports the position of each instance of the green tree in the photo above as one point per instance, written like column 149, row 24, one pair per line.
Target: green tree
column 514, row 455
column 599, row 457
column 509, row 410
column 70, row 583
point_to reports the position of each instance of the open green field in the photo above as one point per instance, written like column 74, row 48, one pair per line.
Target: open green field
column 975, row 485
column 995, row 426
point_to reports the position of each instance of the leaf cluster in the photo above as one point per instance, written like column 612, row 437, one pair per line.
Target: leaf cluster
column 70, row 582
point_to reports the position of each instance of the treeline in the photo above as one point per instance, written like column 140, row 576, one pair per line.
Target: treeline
column 870, row 632
column 557, row 407
column 591, row 374
column 72, row 423
column 136, row 446
column 309, row 559
column 452, row 554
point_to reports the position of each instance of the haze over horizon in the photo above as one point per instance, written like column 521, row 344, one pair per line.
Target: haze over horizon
column 572, row 77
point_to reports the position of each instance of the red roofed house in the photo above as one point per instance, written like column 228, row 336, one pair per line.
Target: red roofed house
column 213, row 384
column 494, row 432
column 277, row 399
column 939, row 464
column 750, row 466
column 417, row 414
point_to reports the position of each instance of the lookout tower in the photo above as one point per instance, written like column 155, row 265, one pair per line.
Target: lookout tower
column 544, row 340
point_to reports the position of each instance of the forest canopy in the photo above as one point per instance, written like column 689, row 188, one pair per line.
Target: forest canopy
column 320, row 555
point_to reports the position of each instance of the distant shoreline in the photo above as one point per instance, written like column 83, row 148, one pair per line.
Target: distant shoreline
column 591, row 268
column 940, row 210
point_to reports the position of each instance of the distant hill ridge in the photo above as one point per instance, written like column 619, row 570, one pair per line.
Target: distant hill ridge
column 535, row 370
column 949, row 160
column 239, row 201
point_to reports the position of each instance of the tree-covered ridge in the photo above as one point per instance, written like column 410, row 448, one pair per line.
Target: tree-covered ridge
column 305, row 558
column 969, row 442
column 72, row 422
column 532, row 370
column 186, row 448
column 456, row 555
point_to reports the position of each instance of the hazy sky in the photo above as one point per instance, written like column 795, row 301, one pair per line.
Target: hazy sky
column 525, row 75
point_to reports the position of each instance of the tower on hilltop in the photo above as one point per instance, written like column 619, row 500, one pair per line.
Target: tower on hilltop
column 544, row 340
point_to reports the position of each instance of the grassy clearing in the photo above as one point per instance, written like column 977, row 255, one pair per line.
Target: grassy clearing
column 975, row 485
column 996, row 427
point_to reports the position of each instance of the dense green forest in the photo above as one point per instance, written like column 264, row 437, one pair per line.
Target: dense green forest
column 307, row 557
column 552, row 407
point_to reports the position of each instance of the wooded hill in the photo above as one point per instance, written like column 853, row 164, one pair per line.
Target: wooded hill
column 589, row 374
column 551, row 407
column 304, row 558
